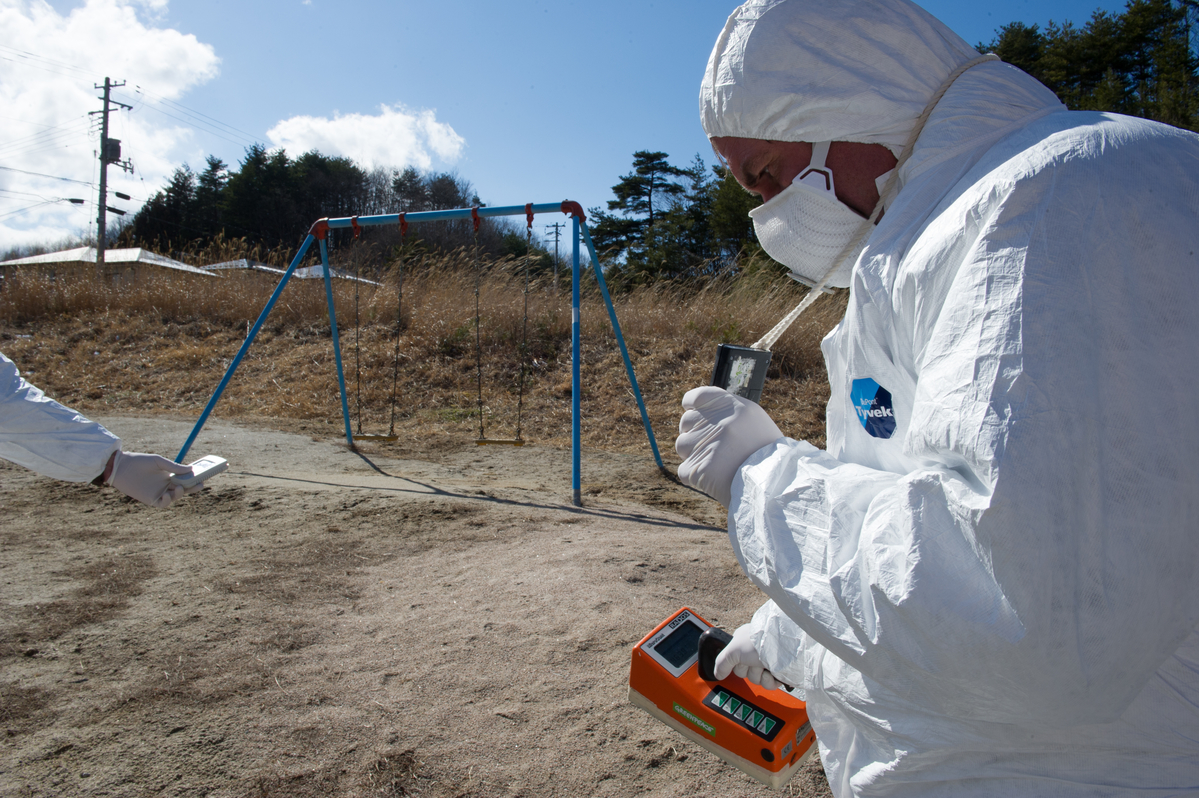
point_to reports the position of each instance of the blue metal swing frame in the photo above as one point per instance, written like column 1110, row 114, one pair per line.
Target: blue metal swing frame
column 319, row 233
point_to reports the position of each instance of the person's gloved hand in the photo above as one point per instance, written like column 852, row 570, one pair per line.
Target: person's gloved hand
column 740, row 657
column 147, row 478
column 717, row 433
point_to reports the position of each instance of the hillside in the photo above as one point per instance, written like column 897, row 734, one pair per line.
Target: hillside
column 161, row 346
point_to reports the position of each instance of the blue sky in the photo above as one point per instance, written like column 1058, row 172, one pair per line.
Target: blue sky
column 532, row 101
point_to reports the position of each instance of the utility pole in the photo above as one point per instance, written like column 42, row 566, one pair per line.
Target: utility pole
column 110, row 152
column 558, row 228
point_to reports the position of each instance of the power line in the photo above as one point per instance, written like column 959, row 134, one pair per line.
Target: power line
column 72, row 200
column 37, row 139
column 28, row 56
column 39, row 124
column 20, row 193
column 35, row 57
column 212, row 122
column 35, row 66
column 52, row 177
column 41, row 142
column 209, row 131
column 49, row 137
column 27, row 208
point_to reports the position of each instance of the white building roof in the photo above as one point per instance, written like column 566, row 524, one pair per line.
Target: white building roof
column 243, row 263
column 303, row 273
column 88, row 255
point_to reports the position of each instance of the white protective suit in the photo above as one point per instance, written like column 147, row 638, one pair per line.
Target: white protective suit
column 44, row 436
column 988, row 583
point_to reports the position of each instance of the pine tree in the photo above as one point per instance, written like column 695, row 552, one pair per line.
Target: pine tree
column 628, row 233
column 209, row 186
column 1142, row 62
column 411, row 191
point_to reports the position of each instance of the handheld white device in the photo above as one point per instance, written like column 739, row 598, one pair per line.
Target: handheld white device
column 202, row 469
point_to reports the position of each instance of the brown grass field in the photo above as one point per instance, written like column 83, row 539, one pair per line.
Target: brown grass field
column 162, row 344
column 418, row 618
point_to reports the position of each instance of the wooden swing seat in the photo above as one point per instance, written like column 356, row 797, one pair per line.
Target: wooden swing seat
column 498, row 442
column 388, row 438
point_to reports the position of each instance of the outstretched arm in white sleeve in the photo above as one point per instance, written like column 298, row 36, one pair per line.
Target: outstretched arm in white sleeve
column 47, row 437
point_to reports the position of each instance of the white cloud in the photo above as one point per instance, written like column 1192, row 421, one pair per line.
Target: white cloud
column 396, row 136
column 49, row 64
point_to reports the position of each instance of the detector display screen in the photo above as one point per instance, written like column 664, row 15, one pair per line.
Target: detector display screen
column 681, row 645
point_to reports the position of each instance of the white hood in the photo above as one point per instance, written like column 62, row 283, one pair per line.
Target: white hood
column 852, row 70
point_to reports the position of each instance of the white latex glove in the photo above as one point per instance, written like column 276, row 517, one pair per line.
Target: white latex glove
column 717, row 432
column 740, row 657
column 147, row 478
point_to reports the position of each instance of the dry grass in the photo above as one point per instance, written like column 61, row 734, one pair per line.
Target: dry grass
column 161, row 344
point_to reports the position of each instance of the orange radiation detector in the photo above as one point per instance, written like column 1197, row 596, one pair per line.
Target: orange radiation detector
column 764, row 733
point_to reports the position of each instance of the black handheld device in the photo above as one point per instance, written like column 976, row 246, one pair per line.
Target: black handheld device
column 711, row 643
column 741, row 370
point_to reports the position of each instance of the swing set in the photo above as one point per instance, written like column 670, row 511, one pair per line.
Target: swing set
column 482, row 440
column 319, row 233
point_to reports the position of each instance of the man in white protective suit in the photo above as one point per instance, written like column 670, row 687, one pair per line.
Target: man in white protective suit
column 988, row 583
column 44, row 436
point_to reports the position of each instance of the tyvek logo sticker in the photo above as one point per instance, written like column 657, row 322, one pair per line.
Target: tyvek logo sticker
column 872, row 403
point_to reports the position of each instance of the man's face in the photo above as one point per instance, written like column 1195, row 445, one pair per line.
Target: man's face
column 763, row 167
column 767, row 167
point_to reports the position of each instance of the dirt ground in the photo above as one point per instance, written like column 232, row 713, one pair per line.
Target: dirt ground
column 320, row 622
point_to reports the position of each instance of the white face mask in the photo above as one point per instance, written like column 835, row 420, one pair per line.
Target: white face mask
column 805, row 227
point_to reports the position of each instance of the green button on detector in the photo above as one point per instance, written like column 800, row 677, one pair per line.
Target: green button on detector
column 721, row 698
column 766, row 725
column 744, row 712
column 756, row 719
column 731, row 706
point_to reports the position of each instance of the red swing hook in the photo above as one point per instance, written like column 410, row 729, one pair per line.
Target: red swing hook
column 356, row 226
